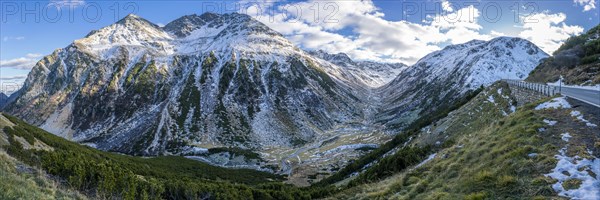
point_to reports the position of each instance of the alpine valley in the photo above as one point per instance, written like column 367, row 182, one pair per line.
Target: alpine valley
column 228, row 91
column 230, row 82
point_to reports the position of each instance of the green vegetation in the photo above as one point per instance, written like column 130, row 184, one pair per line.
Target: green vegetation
column 134, row 72
column 390, row 165
column 30, row 183
column 400, row 139
column 235, row 151
column 591, row 47
column 109, row 175
column 577, row 60
column 189, row 98
column 571, row 184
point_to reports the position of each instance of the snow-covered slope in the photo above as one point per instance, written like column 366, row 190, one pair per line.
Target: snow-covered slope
column 132, row 32
column 208, row 80
column 445, row 75
column 374, row 74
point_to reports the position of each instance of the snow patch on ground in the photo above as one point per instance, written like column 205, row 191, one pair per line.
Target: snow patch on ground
column 577, row 168
column 431, row 157
column 559, row 102
column 565, row 136
column 531, row 155
column 491, row 99
column 550, row 122
column 513, row 109
column 579, row 116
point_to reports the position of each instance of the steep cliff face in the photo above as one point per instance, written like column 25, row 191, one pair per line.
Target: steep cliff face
column 215, row 80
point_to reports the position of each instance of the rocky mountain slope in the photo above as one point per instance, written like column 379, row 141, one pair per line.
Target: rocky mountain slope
column 577, row 60
column 374, row 74
column 208, row 80
column 443, row 76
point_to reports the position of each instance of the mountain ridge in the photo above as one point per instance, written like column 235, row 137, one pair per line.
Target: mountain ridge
column 149, row 71
column 447, row 74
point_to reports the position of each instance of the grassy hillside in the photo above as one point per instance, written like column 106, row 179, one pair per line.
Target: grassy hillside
column 19, row 181
column 483, row 151
column 108, row 175
column 399, row 160
column 578, row 60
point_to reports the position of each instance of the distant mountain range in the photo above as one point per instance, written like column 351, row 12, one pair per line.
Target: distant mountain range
column 373, row 74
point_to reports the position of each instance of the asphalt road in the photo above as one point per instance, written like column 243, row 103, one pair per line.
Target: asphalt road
column 590, row 96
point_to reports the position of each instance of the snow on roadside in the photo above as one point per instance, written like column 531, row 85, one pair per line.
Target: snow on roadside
column 595, row 87
column 579, row 116
column 568, row 168
column 558, row 102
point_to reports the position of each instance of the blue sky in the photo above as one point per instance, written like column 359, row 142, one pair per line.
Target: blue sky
column 387, row 31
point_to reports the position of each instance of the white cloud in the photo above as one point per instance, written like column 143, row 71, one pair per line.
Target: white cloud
column 548, row 31
column 372, row 37
column 587, row 4
column 447, row 6
column 494, row 33
column 33, row 55
column 359, row 29
column 12, row 78
column 7, row 38
column 25, row 63
column 460, row 26
column 67, row 3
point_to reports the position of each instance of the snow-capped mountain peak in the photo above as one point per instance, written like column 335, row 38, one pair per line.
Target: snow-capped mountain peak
column 226, row 33
column 484, row 62
column 373, row 74
column 132, row 32
column 185, row 25
column 445, row 75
